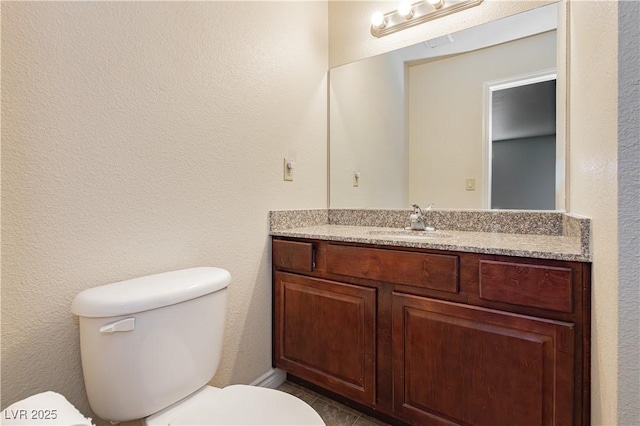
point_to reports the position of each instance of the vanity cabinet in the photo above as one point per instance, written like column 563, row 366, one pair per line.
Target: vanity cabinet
column 430, row 337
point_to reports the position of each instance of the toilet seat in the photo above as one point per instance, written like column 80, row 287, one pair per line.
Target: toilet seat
column 237, row 405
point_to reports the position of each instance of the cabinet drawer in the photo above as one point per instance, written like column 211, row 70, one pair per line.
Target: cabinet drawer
column 523, row 284
column 293, row 255
column 432, row 271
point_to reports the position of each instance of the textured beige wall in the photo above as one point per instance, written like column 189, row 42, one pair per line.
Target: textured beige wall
column 141, row 137
column 593, row 127
column 446, row 104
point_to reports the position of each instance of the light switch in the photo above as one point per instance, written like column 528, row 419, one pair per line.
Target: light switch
column 288, row 169
column 471, row 184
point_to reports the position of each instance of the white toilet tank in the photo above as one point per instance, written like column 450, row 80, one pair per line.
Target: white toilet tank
column 148, row 342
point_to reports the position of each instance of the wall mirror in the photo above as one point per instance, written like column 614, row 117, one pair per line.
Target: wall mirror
column 452, row 121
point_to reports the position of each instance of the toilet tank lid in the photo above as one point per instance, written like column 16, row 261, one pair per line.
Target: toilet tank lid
column 150, row 292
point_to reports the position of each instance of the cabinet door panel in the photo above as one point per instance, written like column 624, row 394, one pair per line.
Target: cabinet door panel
column 456, row 364
column 325, row 333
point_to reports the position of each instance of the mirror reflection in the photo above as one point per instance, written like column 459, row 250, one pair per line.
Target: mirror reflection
column 463, row 121
column 522, row 125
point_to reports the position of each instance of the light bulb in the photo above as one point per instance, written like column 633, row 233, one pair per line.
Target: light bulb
column 437, row 4
column 378, row 21
column 405, row 9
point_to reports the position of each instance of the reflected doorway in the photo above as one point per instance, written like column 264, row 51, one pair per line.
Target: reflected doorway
column 521, row 141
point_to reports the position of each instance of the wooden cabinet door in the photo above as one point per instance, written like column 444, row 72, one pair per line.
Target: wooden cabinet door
column 458, row 364
column 324, row 332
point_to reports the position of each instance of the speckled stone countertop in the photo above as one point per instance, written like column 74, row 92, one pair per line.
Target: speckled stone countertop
column 544, row 235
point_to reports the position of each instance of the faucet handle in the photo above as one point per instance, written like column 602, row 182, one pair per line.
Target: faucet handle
column 417, row 209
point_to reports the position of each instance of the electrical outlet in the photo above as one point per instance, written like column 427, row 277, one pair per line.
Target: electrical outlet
column 288, row 169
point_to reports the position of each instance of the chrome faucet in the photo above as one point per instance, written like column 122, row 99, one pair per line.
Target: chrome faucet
column 417, row 219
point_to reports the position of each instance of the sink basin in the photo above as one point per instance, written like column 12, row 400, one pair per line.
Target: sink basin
column 406, row 233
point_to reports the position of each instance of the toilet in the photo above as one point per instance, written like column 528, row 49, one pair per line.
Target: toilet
column 149, row 346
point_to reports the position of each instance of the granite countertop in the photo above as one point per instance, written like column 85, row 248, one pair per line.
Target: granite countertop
column 539, row 246
column 563, row 243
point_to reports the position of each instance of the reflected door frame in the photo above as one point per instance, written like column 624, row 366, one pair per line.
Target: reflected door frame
column 487, row 115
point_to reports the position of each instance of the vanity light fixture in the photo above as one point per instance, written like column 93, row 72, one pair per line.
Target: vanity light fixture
column 405, row 9
column 378, row 21
column 407, row 15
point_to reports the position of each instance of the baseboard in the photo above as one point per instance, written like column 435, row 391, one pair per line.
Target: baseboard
column 271, row 379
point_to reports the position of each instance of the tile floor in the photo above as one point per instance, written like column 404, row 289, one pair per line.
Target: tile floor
column 333, row 413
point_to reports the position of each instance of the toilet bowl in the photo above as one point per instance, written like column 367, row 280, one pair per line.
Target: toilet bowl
column 150, row 345
column 237, row 405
